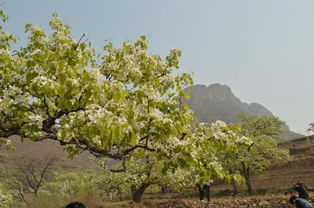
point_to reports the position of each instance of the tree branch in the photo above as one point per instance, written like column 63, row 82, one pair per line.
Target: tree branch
column 126, row 152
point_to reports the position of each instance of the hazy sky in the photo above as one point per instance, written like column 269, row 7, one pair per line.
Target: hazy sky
column 262, row 49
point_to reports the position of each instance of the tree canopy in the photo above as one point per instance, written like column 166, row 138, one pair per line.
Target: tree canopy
column 262, row 152
column 123, row 103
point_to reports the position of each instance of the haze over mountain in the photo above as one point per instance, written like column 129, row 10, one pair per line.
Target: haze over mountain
column 217, row 102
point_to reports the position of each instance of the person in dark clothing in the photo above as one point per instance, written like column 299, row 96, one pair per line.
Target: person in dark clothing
column 163, row 189
column 75, row 205
column 301, row 189
column 300, row 202
column 203, row 189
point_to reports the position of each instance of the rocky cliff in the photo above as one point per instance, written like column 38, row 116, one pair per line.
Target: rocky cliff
column 217, row 102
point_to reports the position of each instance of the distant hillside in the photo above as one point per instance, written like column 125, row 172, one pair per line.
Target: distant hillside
column 282, row 176
column 217, row 102
column 29, row 150
column 300, row 169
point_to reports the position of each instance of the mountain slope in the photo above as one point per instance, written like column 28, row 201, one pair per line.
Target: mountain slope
column 217, row 102
column 47, row 149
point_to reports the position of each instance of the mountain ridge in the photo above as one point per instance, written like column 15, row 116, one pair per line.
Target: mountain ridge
column 217, row 102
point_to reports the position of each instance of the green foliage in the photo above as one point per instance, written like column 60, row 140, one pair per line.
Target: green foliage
column 109, row 105
column 3, row 156
column 7, row 144
column 263, row 152
column 71, row 184
column 124, row 104
column 255, row 126
column 25, row 182
column 6, row 199
column 61, row 187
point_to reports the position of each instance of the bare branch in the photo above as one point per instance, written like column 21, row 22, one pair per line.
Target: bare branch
column 126, row 152
column 46, row 105
column 78, row 43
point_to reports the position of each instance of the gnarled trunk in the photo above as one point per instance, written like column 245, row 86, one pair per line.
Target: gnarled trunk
column 247, row 175
column 137, row 192
column 249, row 184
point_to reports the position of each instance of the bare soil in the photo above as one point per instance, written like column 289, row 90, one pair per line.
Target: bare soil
column 271, row 201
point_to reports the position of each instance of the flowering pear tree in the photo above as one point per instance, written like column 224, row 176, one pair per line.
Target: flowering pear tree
column 181, row 162
column 112, row 104
column 123, row 104
column 263, row 151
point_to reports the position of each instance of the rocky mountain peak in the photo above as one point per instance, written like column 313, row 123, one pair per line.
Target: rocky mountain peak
column 220, row 92
column 217, row 102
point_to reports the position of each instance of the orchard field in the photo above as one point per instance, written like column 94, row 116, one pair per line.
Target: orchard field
column 109, row 128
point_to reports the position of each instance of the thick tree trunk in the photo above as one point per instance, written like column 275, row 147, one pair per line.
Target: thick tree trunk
column 235, row 188
column 119, row 193
column 249, row 184
column 137, row 193
column 247, row 175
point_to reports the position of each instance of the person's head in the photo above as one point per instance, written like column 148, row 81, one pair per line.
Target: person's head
column 299, row 183
column 292, row 199
column 75, row 205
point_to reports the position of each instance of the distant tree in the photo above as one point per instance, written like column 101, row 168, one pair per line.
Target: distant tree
column 310, row 128
column 29, row 177
column 73, row 183
column 263, row 152
column 261, row 125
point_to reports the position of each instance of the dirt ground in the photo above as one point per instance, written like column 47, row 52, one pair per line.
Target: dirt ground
column 271, row 201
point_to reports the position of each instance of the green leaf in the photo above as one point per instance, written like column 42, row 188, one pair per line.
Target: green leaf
column 27, row 27
column 82, row 46
column 187, row 96
column 181, row 93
